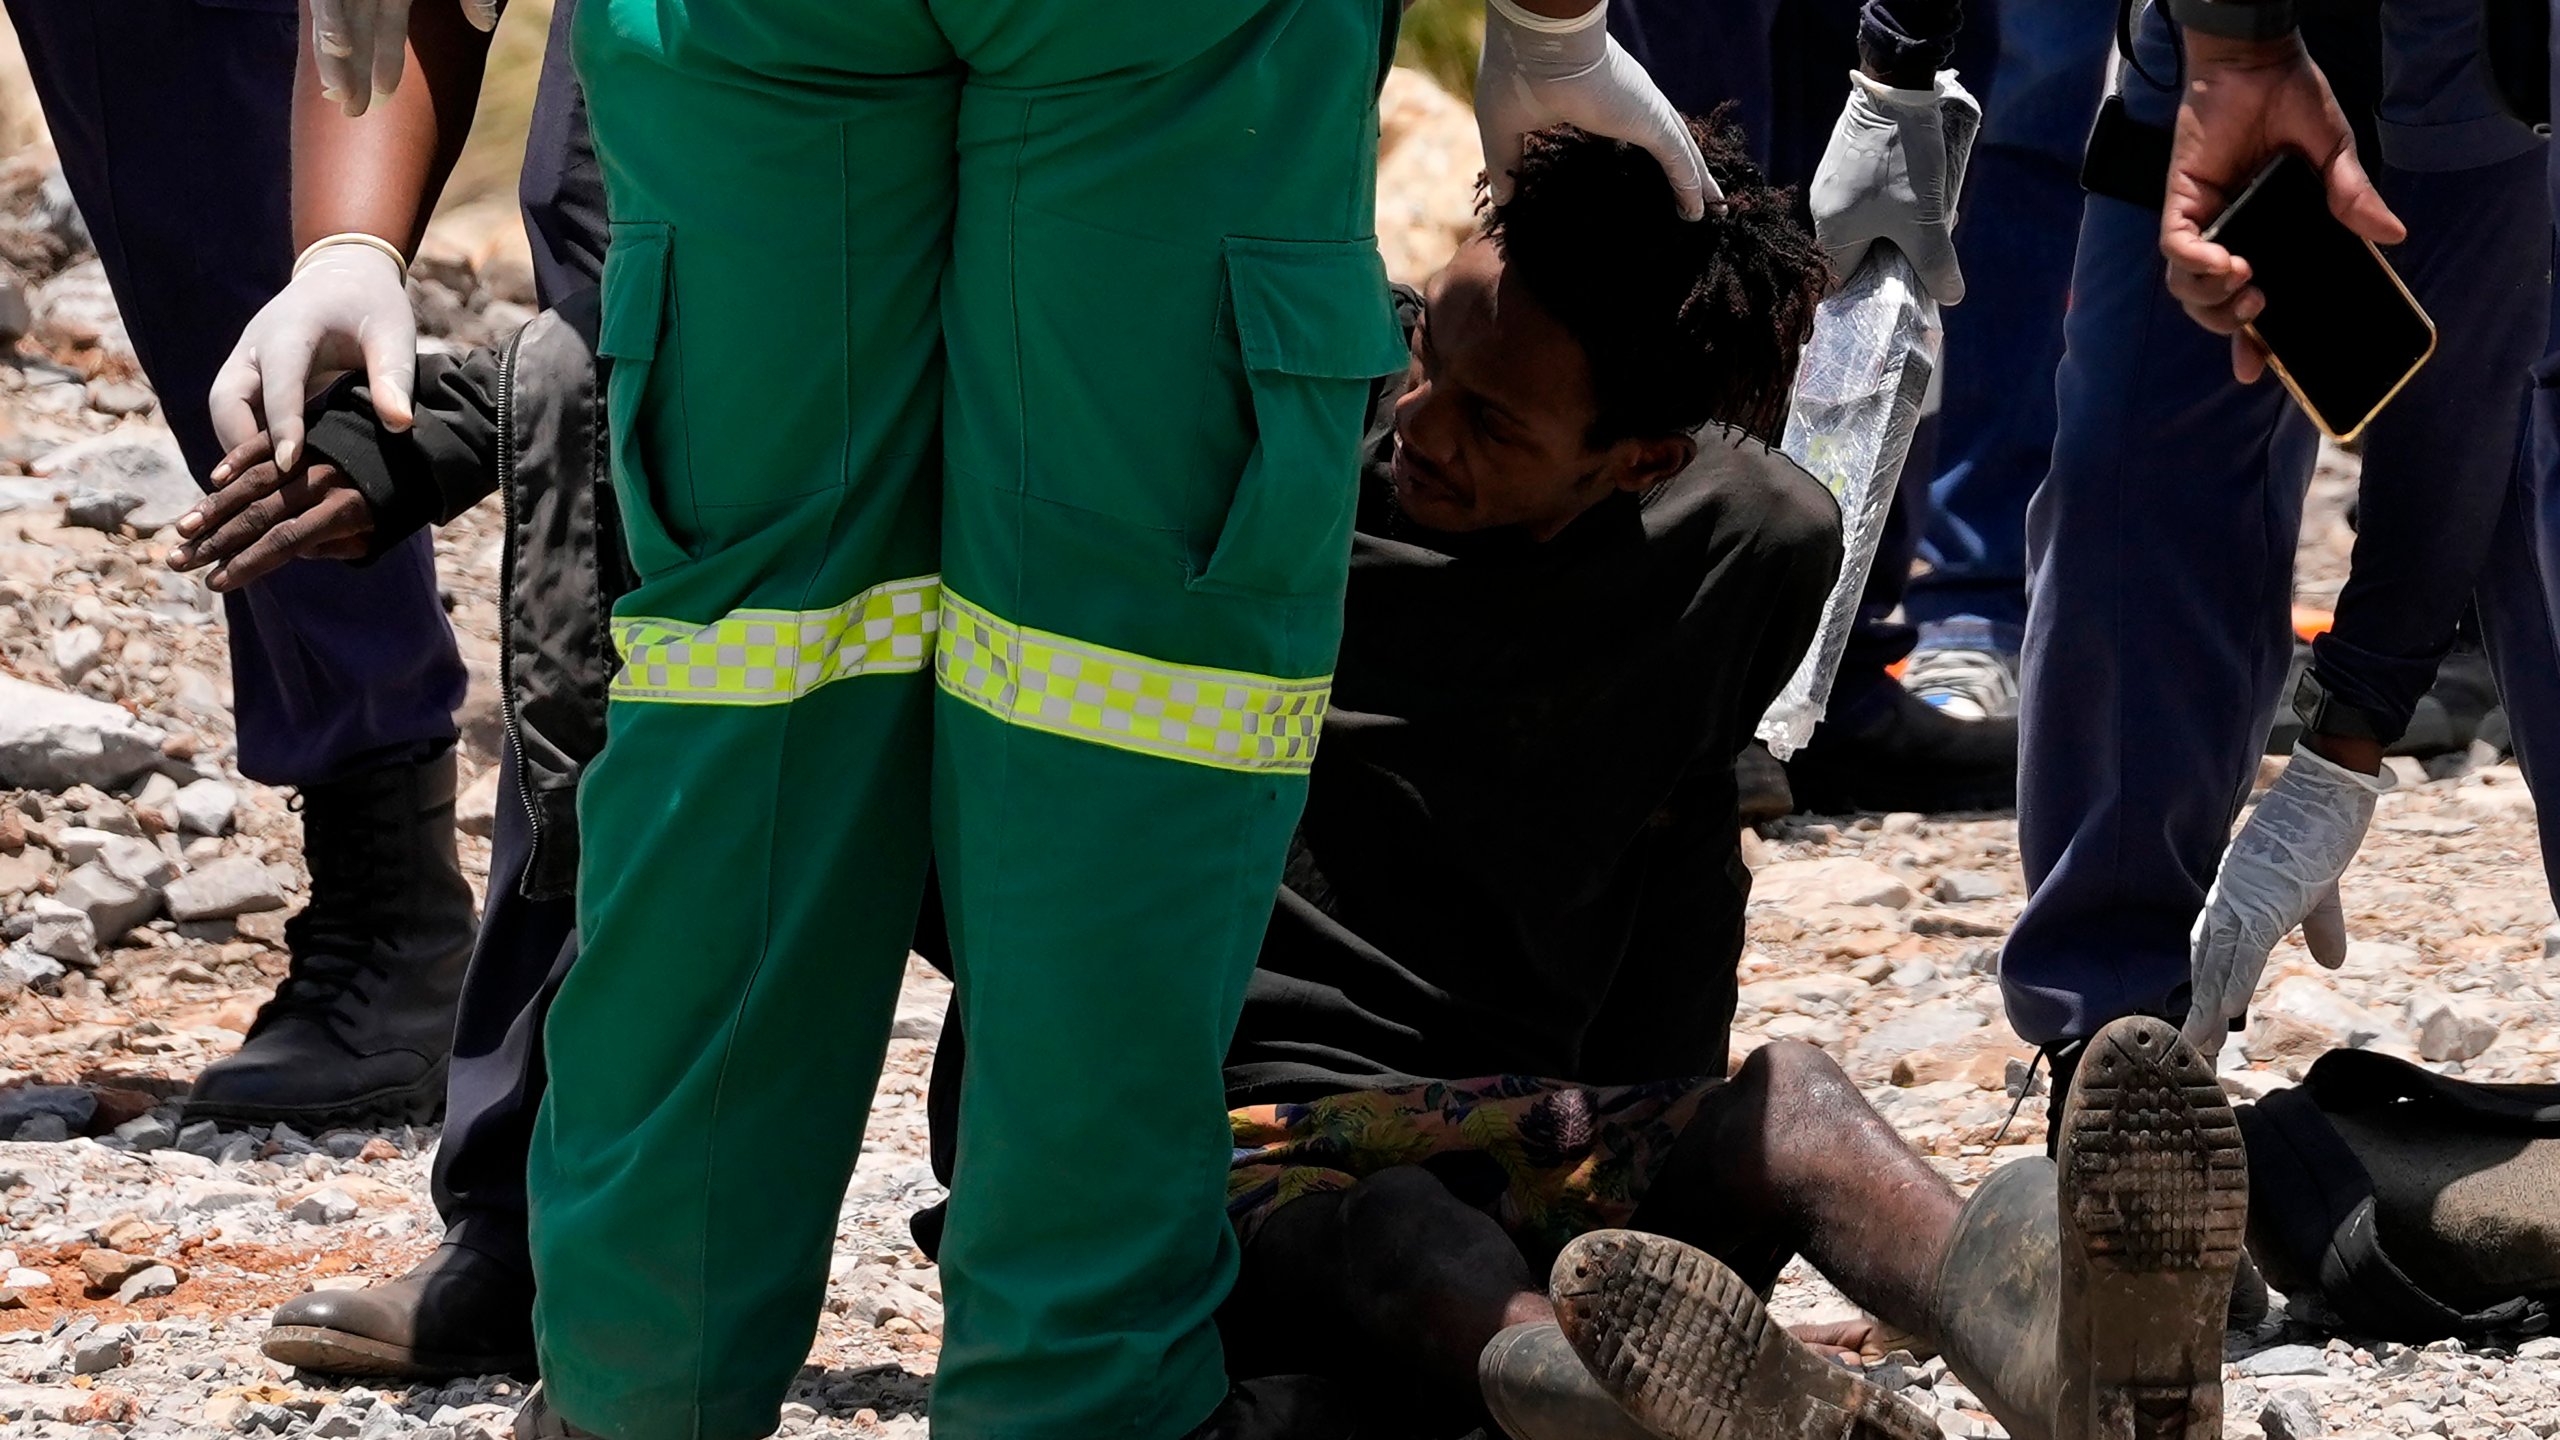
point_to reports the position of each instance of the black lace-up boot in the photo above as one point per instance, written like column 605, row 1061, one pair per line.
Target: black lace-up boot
column 359, row 1032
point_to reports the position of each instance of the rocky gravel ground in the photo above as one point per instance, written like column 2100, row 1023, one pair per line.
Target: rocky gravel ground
column 143, row 883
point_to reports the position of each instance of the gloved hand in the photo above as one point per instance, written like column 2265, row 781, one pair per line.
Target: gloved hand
column 1539, row 71
column 360, row 45
column 2281, row 871
column 1886, row 176
column 348, row 305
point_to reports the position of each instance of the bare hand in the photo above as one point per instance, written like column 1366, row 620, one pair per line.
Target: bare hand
column 263, row 517
column 2245, row 102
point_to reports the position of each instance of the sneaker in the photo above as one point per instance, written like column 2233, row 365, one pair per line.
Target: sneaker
column 1965, row 683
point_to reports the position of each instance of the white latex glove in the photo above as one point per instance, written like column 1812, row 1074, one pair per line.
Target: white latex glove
column 1886, row 177
column 361, row 45
column 1539, row 71
column 2281, row 871
column 347, row 306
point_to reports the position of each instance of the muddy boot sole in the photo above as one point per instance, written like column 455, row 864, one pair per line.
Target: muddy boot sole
column 2154, row 1190
column 1687, row 1350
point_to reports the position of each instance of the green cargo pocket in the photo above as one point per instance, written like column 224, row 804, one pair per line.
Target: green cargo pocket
column 1315, row 326
column 644, row 410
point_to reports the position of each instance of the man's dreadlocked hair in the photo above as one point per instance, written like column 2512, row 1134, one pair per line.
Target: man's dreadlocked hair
column 1684, row 321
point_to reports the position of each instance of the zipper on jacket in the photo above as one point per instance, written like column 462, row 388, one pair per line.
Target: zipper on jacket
column 507, row 593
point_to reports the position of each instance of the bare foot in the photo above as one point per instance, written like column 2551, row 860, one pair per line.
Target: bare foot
column 1864, row 1340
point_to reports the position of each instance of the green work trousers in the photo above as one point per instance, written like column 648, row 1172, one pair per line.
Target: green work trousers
column 986, row 384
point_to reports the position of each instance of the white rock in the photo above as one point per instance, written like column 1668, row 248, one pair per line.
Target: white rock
column 137, row 862
column 21, row 1278
column 2292, row 1414
column 1938, row 1023
column 139, row 460
column 205, row 807
column 326, row 1206
column 63, row 932
column 207, row 1197
column 21, row 967
column 2447, row 1028
column 113, row 904
column 53, row 741
column 81, row 844
column 76, row 651
column 236, row 885
column 1965, row 887
column 98, row 1352
column 2313, row 1003
column 1799, row 884
column 148, row 1283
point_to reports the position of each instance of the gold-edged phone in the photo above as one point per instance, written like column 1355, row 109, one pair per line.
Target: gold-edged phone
column 2340, row 329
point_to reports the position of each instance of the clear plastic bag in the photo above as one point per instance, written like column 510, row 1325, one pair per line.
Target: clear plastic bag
column 1857, row 402
column 1859, row 390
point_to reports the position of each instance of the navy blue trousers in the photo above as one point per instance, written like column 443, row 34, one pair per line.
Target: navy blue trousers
column 171, row 119
column 2020, row 217
column 2161, row 544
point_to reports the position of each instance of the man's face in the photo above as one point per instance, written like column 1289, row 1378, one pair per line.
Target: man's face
column 1494, row 428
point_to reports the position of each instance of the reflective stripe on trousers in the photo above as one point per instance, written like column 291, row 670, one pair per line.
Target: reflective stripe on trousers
column 1227, row 719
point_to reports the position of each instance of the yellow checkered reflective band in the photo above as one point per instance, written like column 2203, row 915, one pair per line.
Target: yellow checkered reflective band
column 773, row 657
column 1089, row 692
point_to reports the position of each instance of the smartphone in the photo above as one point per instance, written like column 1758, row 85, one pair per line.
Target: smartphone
column 2342, row 332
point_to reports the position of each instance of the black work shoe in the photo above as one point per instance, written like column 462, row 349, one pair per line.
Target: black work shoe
column 1536, row 1388
column 536, row 1420
column 359, row 1032
column 459, row 1312
column 2153, row 1190
column 1276, row 1407
column 1688, row 1350
column 1916, row 757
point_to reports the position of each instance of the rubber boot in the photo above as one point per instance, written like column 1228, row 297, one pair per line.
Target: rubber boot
column 2153, row 1192
column 1536, row 1388
column 2087, row 1300
column 1689, row 1352
column 457, row 1312
column 359, row 1032
column 1998, row 1300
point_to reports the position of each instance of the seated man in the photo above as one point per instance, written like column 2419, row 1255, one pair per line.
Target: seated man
column 1571, row 598
column 1488, row 1031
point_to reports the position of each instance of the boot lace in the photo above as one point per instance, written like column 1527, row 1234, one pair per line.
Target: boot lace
column 336, row 964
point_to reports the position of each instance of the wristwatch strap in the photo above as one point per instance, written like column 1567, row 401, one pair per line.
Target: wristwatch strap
column 2325, row 714
column 2236, row 19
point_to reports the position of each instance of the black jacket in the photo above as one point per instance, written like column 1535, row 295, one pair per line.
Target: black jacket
column 526, row 420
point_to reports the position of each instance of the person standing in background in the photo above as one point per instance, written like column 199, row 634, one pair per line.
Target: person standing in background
column 1996, row 414
column 171, row 118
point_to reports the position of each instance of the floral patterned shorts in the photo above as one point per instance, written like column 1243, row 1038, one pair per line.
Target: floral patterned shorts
column 1551, row 1160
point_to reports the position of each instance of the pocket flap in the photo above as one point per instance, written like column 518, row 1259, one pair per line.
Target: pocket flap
column 1314, row 307
column 635, row 289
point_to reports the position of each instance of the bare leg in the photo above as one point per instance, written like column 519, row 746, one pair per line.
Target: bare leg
column 1395, row 1275
column 1788, row 1158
